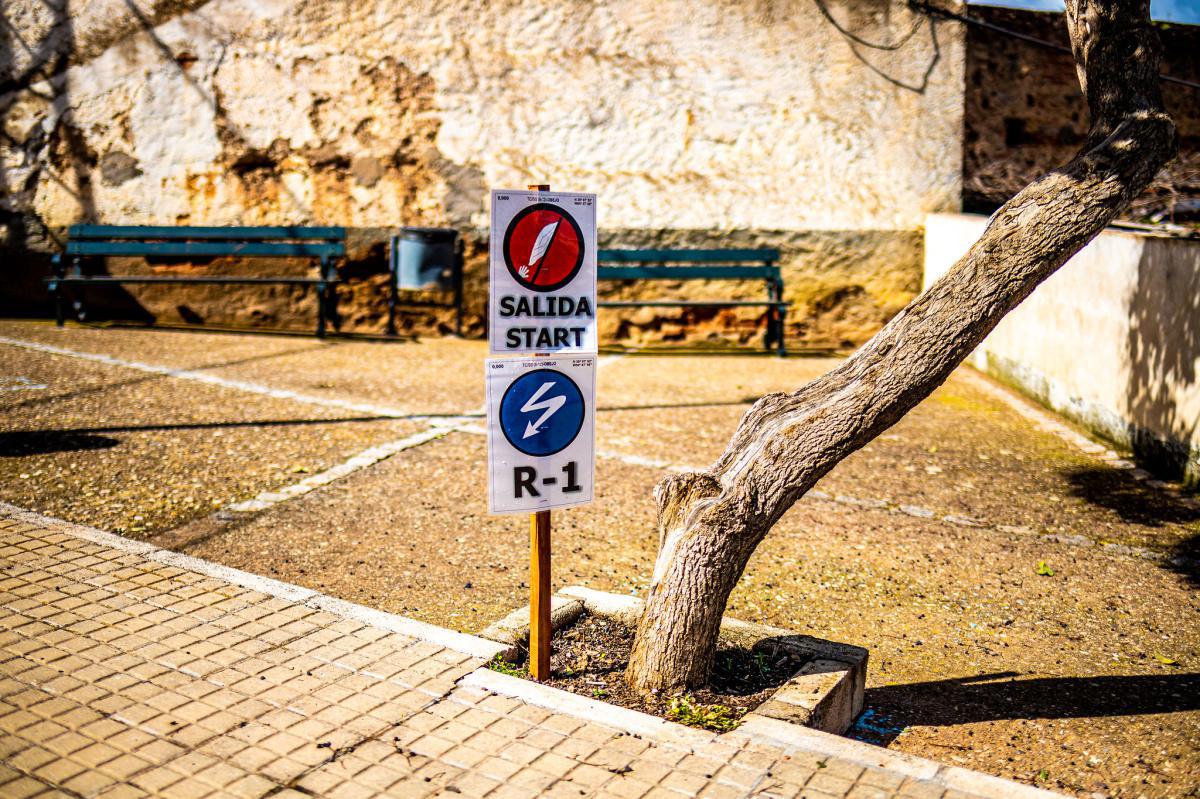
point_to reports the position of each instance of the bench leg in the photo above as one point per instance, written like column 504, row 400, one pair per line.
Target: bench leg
column 320, row 310
column 77, row 307
column 780, row 317
column 56, row 291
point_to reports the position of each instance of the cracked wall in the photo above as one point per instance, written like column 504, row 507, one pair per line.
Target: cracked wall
column 696, row 123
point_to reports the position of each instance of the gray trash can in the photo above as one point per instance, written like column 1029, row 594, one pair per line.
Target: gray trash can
column 426, row 258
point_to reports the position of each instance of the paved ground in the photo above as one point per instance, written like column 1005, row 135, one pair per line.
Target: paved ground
column 127, row 671
column 357, row 469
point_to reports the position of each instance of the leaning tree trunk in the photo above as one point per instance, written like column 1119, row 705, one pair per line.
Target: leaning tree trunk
column 710, row 522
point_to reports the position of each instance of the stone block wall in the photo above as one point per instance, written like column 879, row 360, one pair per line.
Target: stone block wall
column 1024, row 112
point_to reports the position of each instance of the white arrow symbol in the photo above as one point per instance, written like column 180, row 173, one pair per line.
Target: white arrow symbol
column 548, row 407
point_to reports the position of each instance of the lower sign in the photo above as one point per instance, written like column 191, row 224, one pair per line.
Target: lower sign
column 541, row 433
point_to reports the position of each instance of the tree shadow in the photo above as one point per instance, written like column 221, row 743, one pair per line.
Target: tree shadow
column 1163, row 351
column 43, row 442
column 1000, row 696
column 1135, row 502
column 224, row 425
column 1132, row 500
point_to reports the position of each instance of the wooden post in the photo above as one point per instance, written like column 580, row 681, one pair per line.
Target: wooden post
column 539, row 595
column 539, row 580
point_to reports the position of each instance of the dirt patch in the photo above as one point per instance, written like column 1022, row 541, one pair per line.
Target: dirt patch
column 589, row 658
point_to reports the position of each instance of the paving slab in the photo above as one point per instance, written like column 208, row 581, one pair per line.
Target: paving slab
column 128, row 671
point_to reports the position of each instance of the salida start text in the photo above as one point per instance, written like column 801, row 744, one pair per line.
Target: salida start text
column 542, row 336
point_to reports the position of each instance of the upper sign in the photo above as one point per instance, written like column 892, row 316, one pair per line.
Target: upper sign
column 543, row 272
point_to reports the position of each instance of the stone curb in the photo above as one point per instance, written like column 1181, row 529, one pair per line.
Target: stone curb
column 630, row 721
column 450, row 639
column 795, row 738
column 826, row 694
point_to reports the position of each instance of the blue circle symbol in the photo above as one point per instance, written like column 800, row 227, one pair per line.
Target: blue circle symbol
column 541, row 412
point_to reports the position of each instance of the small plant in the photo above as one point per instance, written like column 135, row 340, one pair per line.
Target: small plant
column 504, row 667
column 718, row 718
column 1044, row 570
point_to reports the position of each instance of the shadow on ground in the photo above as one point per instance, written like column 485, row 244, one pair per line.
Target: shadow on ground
column 993, row 697
column 1137, row 503
column 41, row 442
column 1132, row 500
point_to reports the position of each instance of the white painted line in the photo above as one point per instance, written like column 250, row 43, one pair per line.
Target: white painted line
column 19, row 383
column 362, row 460
column 212, row 380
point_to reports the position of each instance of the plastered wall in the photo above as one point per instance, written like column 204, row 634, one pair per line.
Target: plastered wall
column 757, row 119
column 1111, row 340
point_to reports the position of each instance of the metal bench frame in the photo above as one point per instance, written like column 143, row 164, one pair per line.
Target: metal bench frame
column 324, row 244
column 759, row 264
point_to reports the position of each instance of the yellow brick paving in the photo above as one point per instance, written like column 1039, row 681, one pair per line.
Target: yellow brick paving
column 123, row 676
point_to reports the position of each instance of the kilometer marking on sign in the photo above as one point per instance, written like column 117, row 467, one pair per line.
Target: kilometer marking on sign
column 543, row 247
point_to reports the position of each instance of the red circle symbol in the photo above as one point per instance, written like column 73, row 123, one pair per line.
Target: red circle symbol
column 543, row 247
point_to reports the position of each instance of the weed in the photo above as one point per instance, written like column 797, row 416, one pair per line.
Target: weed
column 718, row 718
column 504, row 667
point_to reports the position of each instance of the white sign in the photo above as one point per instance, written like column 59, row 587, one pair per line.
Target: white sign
column 541, row 433
column 543, row 273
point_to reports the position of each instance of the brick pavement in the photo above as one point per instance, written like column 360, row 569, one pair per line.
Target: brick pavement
column 129, row 671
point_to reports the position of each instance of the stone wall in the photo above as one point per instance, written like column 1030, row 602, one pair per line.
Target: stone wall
column 1025, row 113
column 718, row 123
column 1111, row 340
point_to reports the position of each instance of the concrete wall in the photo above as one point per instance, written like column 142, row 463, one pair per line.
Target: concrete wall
column 1111, row 340
column 757, row 120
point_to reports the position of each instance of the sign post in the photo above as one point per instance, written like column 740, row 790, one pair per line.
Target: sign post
column 541, row 408
column 540, row 626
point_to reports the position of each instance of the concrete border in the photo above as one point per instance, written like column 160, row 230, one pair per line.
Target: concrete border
column 825, row 694
column 450, row 639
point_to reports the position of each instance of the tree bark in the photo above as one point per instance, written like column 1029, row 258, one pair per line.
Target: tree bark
column 710, row 522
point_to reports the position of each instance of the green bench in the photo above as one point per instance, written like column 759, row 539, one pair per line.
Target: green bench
column 321, row 244
column 679, row 265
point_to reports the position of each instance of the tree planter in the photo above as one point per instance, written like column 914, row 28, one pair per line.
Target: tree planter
column 824, row 693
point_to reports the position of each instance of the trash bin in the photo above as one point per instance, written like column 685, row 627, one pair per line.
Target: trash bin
column 426, row 258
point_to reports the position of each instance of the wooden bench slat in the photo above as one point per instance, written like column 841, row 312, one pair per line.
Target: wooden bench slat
column 724, row 272
column 211, row 279
column 110, row 232
column 206, row 248
column 687, row 256
column 691, row 303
